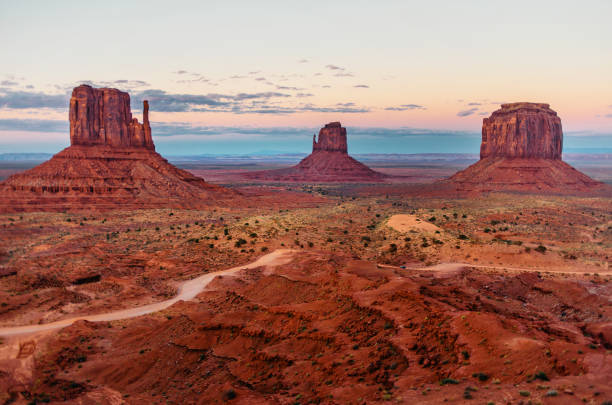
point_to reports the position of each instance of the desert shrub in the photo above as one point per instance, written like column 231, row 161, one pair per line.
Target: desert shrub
column 240, row 242
column 264, row 249
column 366, row 239
column 541, row 249
column 229, row 395
column 552, row 393
column 481, row 376
column 446, row 381
column 540, row 375
column 393, row 248
column 524, row 393
column 462, row 237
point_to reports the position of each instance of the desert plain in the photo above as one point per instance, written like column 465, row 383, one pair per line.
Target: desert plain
column 371, row 293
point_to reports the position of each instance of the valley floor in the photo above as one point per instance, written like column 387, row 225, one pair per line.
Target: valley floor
column 502, row 298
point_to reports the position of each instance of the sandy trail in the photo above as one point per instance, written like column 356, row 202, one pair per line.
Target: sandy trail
column 188, row 290
column 452, row 267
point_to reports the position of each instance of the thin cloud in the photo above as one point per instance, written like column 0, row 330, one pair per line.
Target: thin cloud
column 25, row 99
column 466, row 113
column 303, row 61
column 344, row 74
column 334, row 67
column 8, row 83
column 361, row 86
column 180, row 72
column 122, row 84
column 471, row 104
column 34, row 125
column 406, row 107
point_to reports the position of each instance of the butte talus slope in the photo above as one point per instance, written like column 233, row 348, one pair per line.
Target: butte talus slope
column 521, row 151
column 328, row 162
column 111, row 163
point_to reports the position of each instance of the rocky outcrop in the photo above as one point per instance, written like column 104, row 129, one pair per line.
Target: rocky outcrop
column 110, row 164
column 521, row 151
column 522, row 130
column 104, row 117
column 332, row 138
column 328, row 162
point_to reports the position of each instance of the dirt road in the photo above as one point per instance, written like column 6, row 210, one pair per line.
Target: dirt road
column 188, row 290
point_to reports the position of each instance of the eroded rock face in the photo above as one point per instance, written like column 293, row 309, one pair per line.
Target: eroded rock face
column 522, row 130
column 104, row 117
column 328, row 162
column 332, row 138
column 521, row 151
column 110, row 164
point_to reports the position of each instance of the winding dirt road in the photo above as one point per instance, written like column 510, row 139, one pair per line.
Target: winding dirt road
column 188, row 290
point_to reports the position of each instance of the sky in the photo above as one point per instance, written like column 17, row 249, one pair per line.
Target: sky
column 262, row 76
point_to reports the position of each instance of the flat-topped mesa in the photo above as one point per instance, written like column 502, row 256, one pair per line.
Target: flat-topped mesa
column 522, row 130
column 104, row 117
column 332, row 138
column 521, row 151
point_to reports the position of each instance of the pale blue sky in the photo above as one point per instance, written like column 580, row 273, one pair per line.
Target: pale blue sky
column 435, row 65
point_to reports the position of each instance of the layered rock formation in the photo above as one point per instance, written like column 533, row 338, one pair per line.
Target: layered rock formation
column 521, row 151
column 328, row 162
column 522, row 130
column 332, row 138
column 110, row 164
column 104, row 117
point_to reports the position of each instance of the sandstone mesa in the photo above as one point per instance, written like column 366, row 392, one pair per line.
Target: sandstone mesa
column 328, row 162
column 521, row 151
column 111, row 163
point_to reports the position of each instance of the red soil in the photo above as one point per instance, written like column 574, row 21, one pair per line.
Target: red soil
column 331, row 329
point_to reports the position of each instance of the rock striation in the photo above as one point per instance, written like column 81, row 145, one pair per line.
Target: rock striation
column 104, row 117
column 328, row 162
column 522, row 130
column 332, row 138
column 521, row 151
column 111, row 163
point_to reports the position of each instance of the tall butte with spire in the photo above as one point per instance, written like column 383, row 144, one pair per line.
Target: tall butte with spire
column 328, row 162
column 111, row 163
column 521, row 150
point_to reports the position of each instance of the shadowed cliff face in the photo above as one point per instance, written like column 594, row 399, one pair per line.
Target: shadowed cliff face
column 111, row 163
column 104, row 117
column 328, row 162
column 332, row 138
column 522, row 130
column 521, row 151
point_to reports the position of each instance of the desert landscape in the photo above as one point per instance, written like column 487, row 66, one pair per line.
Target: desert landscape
column 185, row 238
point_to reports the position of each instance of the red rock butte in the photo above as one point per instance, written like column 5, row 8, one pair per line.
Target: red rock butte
column 328, row 162
column 521, row 151
column 111, row 163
